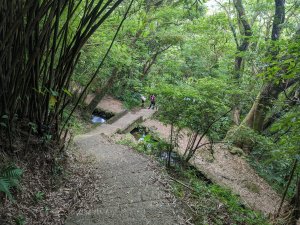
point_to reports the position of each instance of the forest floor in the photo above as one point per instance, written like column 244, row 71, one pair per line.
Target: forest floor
column 223, row 165
column 107, row 104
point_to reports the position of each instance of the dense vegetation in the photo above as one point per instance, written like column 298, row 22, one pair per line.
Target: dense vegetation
column 229, row 72
column 242, row 57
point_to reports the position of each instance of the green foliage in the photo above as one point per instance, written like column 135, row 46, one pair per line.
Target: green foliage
column 147, row 143
column 20, row 220
column 130, row 99
column 178, row 190
column 190, row 60
column 79, row 123
column 9, row 178
column 42, row 99
column 239, row 213
column 248, row 139
column 151, row 146
column 193, row 104
column 289, row 140
column 273, row 161
column 39, row 196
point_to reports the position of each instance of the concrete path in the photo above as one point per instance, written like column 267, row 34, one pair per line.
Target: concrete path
column 132, row 189
column 123, row 124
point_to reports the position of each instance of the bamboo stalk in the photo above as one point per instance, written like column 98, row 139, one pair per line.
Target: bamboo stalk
column 38, row 55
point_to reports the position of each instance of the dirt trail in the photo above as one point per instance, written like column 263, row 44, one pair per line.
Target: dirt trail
column 107, row 103
column 229, row 170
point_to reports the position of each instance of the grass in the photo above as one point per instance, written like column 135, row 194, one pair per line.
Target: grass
column 252, row 187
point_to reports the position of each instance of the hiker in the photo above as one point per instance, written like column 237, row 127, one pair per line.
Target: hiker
column 143, row 98
column 152, row 102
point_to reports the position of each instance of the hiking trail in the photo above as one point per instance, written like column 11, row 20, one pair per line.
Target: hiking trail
column 132, row 189
column 130, row 192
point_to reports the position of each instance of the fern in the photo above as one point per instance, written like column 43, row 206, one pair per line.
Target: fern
column 9, row 178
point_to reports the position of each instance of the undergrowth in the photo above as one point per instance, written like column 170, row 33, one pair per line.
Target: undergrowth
column 35, row 174
column 272, row 161
column 211, row 203
column 79, row 123
column 10, row 177
column 130, row 99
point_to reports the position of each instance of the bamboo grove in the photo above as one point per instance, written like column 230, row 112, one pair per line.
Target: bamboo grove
column 40, row 43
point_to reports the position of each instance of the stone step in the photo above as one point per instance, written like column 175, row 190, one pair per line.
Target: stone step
column 153, row 212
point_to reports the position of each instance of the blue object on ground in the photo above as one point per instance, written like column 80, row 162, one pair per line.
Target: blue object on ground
column 97, row 119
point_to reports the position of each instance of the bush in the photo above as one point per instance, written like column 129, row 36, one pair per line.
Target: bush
column 9, row 178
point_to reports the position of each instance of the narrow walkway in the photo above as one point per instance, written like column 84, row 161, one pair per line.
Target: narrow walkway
column 122, row 124
column 132, row 189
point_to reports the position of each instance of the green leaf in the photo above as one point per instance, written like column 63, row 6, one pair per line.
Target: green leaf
column 52, row 101
column 53, row 93
column 147, row 138
column 5, row 186
column 68, row 92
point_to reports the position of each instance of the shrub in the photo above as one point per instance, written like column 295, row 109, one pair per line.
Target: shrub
column 9, row 178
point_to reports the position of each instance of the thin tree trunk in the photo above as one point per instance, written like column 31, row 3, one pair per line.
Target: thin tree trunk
column 38, row 56
column 287, row 187
column 170, row 146
column 246, row 32
column 296, row 201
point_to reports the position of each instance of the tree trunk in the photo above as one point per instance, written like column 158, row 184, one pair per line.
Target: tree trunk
column 170, row 146
column 256, row 116
column 150, row 62
column 291, row 100
column 297, row 201
column 246, row 32
column 264, row 101
column 287, row 187
column 271, row 90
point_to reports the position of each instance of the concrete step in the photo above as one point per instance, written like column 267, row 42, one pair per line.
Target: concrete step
column 153, row 212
